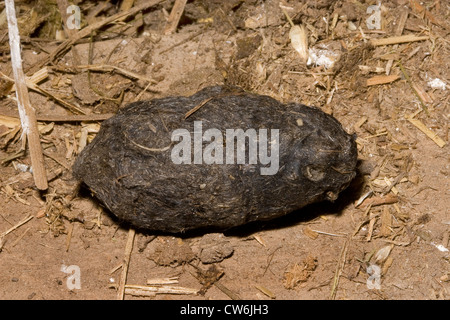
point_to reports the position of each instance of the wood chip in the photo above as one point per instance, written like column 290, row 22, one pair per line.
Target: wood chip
column 376, row 80
column 429, row 133
column 386, row 222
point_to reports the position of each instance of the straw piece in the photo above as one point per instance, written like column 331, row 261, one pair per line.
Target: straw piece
column 430, row 134
column 126, row 262
column 26, row 111
column 397, row 39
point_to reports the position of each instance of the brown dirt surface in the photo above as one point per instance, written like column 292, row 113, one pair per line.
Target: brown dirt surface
column 385, row 237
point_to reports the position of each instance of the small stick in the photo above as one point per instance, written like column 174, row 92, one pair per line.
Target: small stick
column 339, row 268
column 328, row 233
column 126, row 262
column 138, row 290
column 11, row 118
column 162, row 281
column 26, row 111
column 174, row 17
column 201, row 104
column 397, row 39
column 20, row 237
column 16, row 226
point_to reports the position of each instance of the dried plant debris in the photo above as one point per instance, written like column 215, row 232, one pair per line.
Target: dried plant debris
column 299, row 273
column 220, row 158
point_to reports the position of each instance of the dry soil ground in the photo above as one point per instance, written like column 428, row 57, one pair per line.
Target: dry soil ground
column 393, row 245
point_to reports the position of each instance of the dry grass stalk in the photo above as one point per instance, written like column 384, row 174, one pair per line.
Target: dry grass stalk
column 397, row 39
column 20, row 237
column 421, row 92
column 126, row 262
column 109, row 68
column 162, row 281
column 11, row 120
column 138, row 290
column 16, row 226
column 339, row 268
column 26, row 111
column 429, row 133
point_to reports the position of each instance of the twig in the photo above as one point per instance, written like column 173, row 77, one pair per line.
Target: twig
column 26, row 111
column 194, row 109
column 16, row 226
column 20, row 237
column 328, row 233
column 11, row 118
column 397, row 39
column 174, row 17
column 126, row 262
column 138, row 290
column 339, row 268
column 109, row 68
